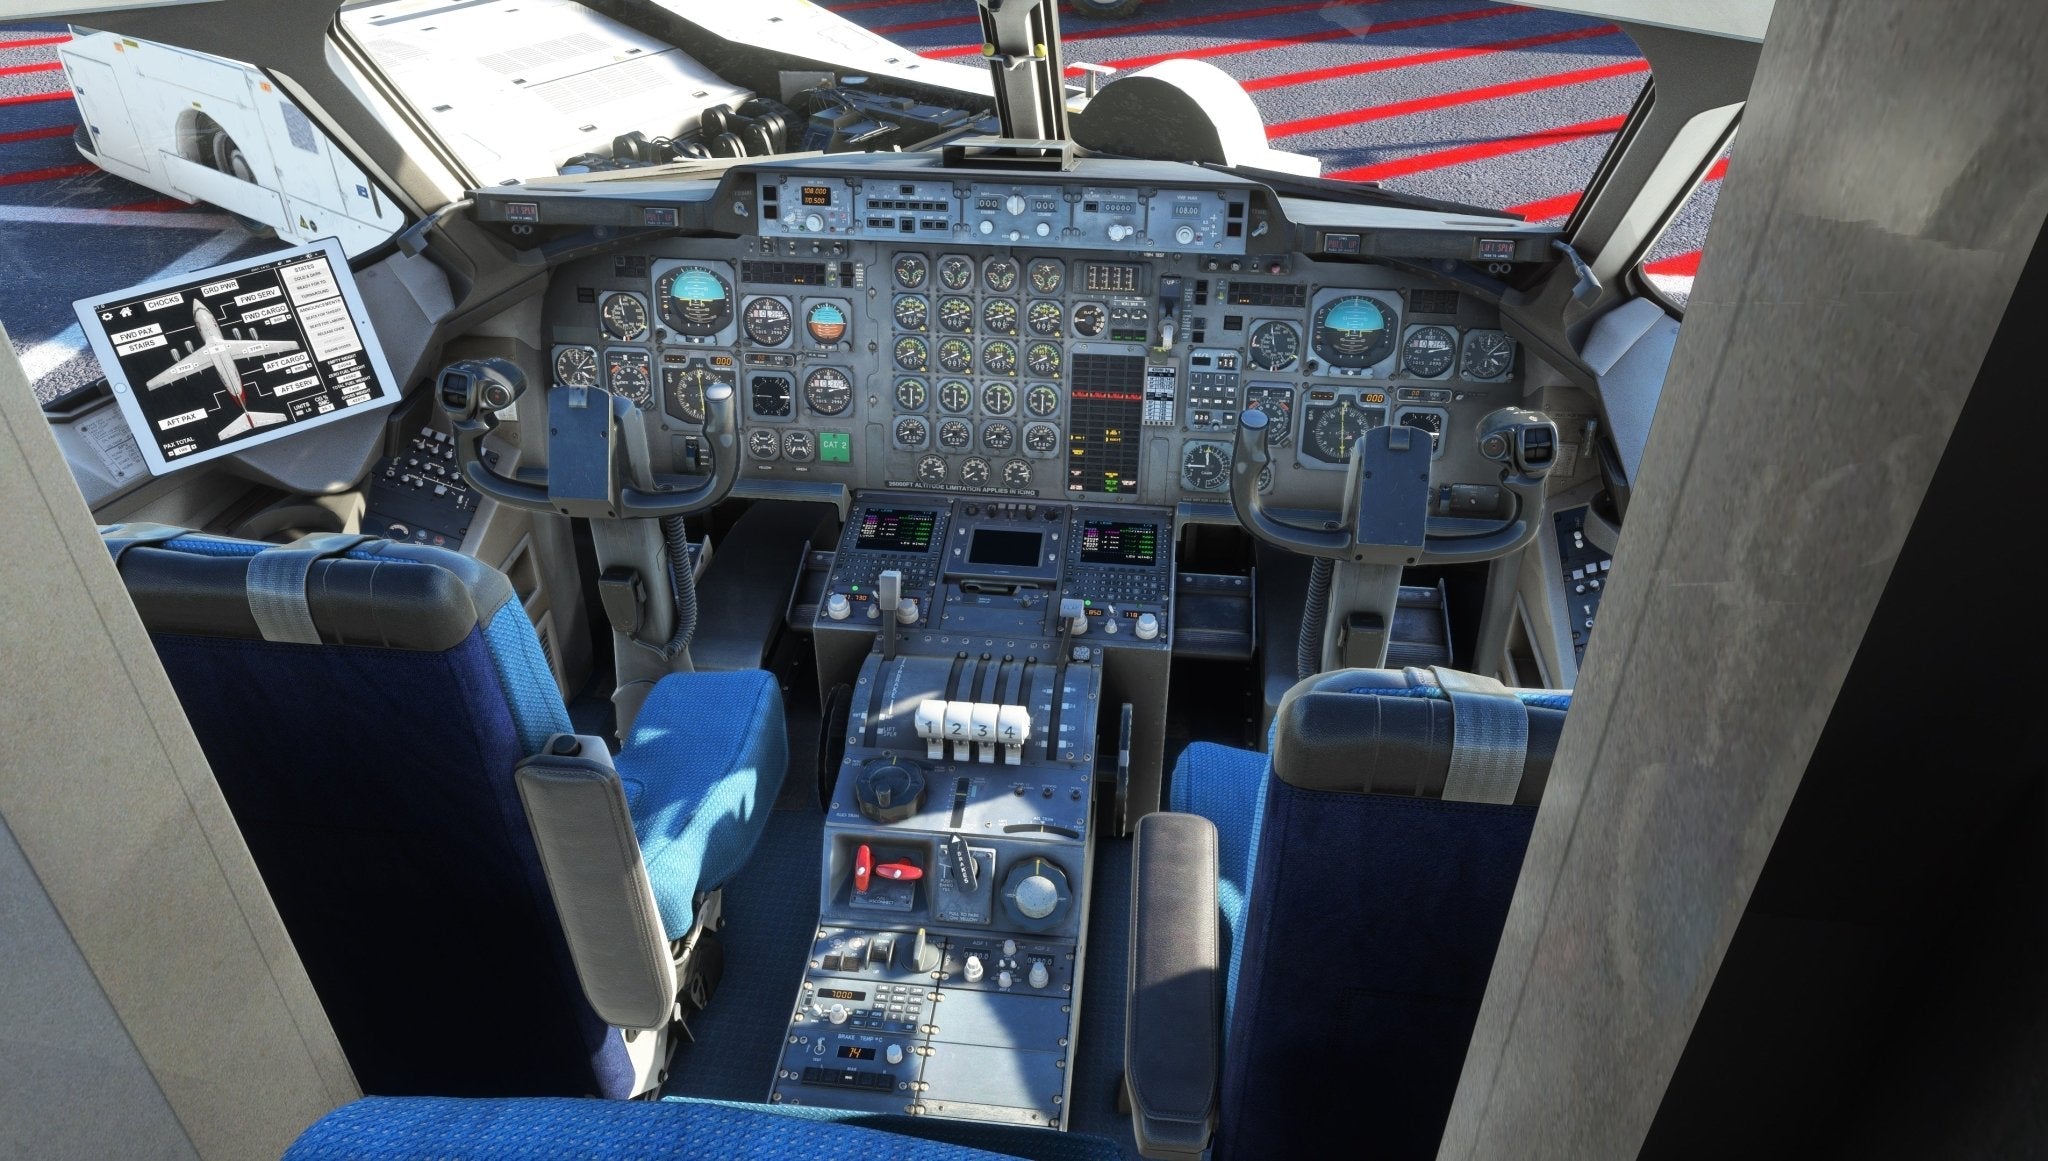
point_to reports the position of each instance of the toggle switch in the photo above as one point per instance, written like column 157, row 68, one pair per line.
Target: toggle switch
column 900, row 872
column 863, row 867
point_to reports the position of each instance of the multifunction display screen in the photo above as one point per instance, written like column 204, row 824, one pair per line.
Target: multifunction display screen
column 897, row 529
column 817, row 195
column 215, row 362
column 1005, row 546
column 1119, row 542
column 1107, row 394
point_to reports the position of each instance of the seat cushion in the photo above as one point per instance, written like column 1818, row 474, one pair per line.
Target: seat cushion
column 1228, row 787
column 701, row 769
column 542, row 1129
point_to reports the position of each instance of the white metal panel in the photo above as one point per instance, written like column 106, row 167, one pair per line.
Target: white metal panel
column 104, row 108
column 1740, row 19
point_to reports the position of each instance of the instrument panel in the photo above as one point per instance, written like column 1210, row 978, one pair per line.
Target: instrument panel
column 1025, row 368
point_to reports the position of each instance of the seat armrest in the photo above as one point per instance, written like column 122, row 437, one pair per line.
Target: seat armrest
column 1173, row 1033
column 577, row 809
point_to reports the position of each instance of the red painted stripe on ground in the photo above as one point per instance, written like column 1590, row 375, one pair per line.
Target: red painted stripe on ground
column 1686, row 264
column 44, row 66
column 36, row 43
column 43, row 134
column 1459, row 97
column 31, row 176
column 1234, row 47
column 1445, row 158
column 1718, row 171
column 153, row 206
column 1548, row 208
column 1144, row 26
column 31, row 98
column 1438, row 56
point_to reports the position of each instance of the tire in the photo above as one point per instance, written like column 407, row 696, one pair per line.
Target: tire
column 1105, row 9
column 228, row 158
column 81, row 140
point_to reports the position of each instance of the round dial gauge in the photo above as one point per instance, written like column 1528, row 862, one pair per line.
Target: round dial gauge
column 1043, row 359
column 1000, row 274
column 955, row 434
column 682, row 387
column 911, row 394
column 1042, row 399
column 828, row 390
column 1488, row 354
column 1266, row 478
column 931, row 471
column 1044, row 318
column 912, row 313
column 1353, row 332
column 1278, row 404
column 1041, row 438
column 1428, row 352
column 1046, row 275
column 998, row 398
column 957, row 315
column 998, row 436
column 1017, row 474
column 1429, row 421
column 763, row 444
column 1205, row 467
column 912, row 354
column 694, row 301
column 770, row 396
column 999, row 315
column 999, row 357
column 1334, row 428
column 630, row 374
column 1089, row 319
column 911, row 432
column 767, row 321
column 956, row 355
column 576, row 367
column 825, row 322
column 974, row 471
column 624, row 316
column 798, row 444
column 1274, row 346
column 954, row 396
column 911, row 271
column 956, row 272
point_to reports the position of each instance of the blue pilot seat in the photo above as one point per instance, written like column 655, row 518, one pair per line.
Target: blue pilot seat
column 1327, row 916
column 386, row 728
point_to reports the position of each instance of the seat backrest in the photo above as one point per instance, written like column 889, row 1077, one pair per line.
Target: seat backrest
column 368, row 761
column 1375, row 906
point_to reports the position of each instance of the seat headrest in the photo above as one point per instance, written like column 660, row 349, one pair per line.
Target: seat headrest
column 1388, row 731
column 382, row 593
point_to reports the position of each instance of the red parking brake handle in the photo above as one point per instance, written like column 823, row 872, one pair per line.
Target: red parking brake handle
column 863, row 862
column 900, row 871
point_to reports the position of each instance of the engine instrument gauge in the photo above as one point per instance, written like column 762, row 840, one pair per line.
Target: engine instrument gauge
column 1278, row 404
column 911, row 271
column 912, row 354
column 1488, row 355
column 1274, row 346
column 911, row 394
column 630, row 375
column 683, row 385
column 1205, row 467
column 799, row 445
column 1428, row 352
column 1089, row 319
column 931, row 471
column 1043, row 359
column 694, row 301
column 825, row 322
column 912, row 312
column 1042, row 399
column 974, row 471
column 763, row 444
column 766, row 320
column 957, row 315
column 1044, row 318
column 956, row 272
column 1046, row 275
column 576, row 367
column 957, row 356
column 999, row 357
column 999, row 315
column 911, row 432
column 624, row 316
column 998, row 398
column 1041, row 438
column 828, row 390
column 771, row 396
column 1017, row 474
column 1000, row 275
column 1425, row 419
column 1353, row 332
column 998, row 436
column 954, row 396
column 955, row 434
column 1334, row 428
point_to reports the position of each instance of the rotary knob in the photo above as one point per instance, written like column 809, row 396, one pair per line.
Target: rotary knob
column 838, row 607
column 889, row 790
column 1036, row 896
column 1015, row 204
column 971, row 970
column 893, row 1054
column 1185, row 235
column 837, row 1014
column 1148, row 627
column 1118, row 231
column 1039, row 977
